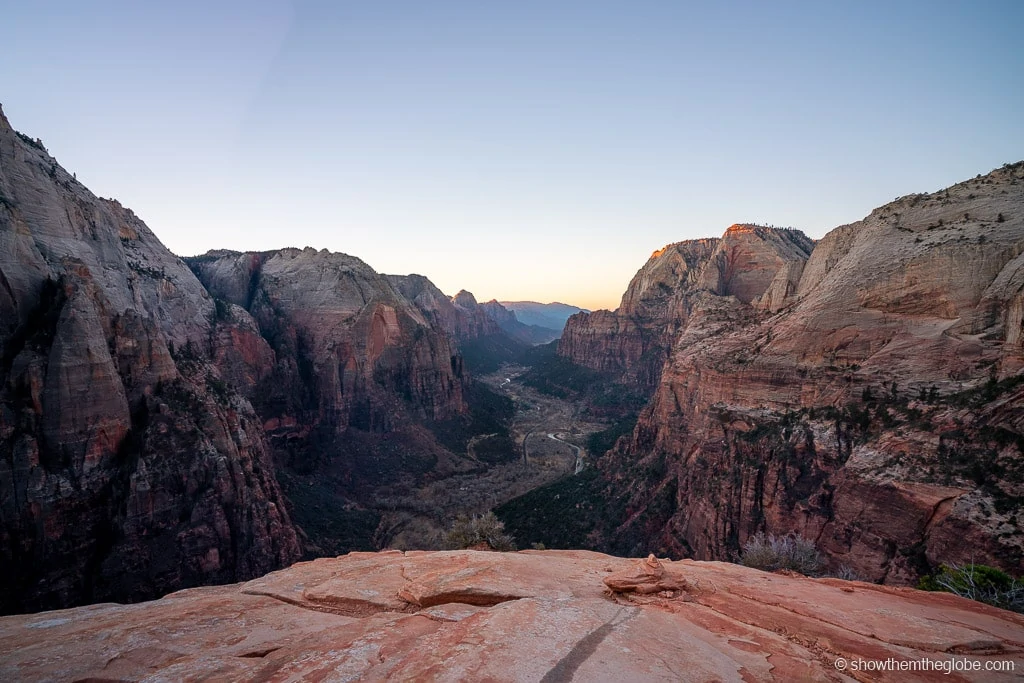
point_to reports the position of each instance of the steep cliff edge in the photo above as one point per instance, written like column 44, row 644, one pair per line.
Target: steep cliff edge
column 753, row 264
column 529, row 616
column 342, row 333
column 868, row 400
column 363, row 394
column 460, row 316
column 129, row 467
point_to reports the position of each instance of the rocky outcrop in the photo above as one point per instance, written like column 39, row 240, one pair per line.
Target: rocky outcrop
column 363, row 376
column 867, row 399
column 127, row 466
column 350, row 349
column 460, row 316
column 530, row 616
column 754, row 265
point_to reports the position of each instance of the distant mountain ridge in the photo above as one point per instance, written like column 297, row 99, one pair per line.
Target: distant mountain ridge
column 551, row 316
column 508, row 321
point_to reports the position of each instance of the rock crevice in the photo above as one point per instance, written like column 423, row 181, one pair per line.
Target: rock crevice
column 751, row 626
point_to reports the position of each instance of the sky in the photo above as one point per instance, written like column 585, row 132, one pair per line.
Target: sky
column 521, row 150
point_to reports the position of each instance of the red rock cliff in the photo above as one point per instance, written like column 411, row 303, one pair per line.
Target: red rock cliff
column 342, row 331
column 750, row 263
column 870, row 402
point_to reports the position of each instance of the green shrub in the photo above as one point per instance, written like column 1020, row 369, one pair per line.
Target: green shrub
column 468, row 532
column 978, row 582
column 770, row 553
column 222, row 310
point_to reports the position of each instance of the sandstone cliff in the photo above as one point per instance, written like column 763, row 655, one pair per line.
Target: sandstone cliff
column 529, row 616
column 460, row 316
column 149, row 427
column 344, row 338
column 362, row 390
column 753, row 264
column 483, row 344
column 129, row 468
column 868, row 398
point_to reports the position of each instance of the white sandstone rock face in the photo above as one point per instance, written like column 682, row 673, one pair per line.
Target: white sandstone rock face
column 53, row 223
column 460, row 316
column 872, row 342
column 750, row 264
column 132, row 469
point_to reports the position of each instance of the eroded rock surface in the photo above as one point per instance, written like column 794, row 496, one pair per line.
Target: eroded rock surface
column 529, row 616
column 460, row 316
column 750, row 264
column 128, row 467
column 864, row 393
column 350, row 349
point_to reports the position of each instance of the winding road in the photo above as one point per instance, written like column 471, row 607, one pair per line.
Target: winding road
column 579, row 453
column 539, row 415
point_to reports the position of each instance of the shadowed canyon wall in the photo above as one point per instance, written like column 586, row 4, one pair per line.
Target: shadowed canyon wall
column 129, row 468
column 865, row 394
column 148, row 416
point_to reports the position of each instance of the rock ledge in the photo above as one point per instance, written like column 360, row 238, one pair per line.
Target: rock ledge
column 527, row 616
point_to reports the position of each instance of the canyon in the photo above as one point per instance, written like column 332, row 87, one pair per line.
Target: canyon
column 168, row 423
column 862, row 391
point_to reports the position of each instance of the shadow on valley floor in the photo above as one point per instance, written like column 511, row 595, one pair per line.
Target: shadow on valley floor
column 534, row 421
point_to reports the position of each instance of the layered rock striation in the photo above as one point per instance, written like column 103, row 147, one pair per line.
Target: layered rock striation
column 128, row 467
column 754, row 265
column 529, row 616
column 460, row 316
column 867, row 397
column 148, row 417
column 350, row 350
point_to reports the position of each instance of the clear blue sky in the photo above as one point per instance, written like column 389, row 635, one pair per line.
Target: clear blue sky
column 521, row 150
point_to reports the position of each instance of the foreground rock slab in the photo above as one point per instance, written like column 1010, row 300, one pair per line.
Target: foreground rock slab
column 527, row 616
